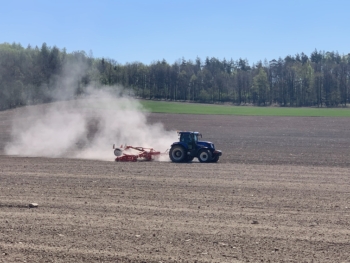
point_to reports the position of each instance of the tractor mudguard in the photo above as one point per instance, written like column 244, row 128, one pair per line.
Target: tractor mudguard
column 181, row 144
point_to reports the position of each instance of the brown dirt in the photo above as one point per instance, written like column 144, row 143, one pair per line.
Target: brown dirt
column 280, row 193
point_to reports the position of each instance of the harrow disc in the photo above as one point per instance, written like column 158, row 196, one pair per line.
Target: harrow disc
column 118, row 152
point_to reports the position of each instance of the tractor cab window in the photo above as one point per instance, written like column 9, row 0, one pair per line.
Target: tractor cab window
column 189, row 138
column 186, row 138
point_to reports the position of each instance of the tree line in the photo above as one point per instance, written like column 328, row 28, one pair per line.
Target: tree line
column 38, row 75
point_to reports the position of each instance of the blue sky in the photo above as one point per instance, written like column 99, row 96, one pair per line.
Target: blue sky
column 151, row 30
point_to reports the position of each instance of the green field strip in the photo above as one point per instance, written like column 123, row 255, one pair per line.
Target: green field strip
column 212, row 109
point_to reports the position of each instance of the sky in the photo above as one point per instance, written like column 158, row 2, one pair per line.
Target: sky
column 150, row 30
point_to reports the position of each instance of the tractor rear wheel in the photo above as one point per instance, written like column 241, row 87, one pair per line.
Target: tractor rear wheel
column 177, row 154
column 204, row 156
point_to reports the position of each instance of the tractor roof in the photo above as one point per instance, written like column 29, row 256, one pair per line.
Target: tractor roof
column 189, row 132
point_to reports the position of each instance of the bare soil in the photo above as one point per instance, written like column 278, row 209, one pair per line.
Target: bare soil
column 280, row 193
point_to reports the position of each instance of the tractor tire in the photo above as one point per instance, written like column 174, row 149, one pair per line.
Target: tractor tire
column 204, row 156
column 177, row 154
column 215, row 159
column 118, row 152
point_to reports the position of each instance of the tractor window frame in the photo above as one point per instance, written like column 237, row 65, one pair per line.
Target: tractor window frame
column 195, row 138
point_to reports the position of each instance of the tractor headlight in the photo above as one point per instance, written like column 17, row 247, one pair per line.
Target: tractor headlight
column 212, row 146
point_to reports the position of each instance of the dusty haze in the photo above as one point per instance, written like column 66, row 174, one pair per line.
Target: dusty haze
column 86, row 127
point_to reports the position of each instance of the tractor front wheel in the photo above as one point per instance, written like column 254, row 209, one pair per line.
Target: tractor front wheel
column 177, row 154
column 215, row 159
column 204, row 156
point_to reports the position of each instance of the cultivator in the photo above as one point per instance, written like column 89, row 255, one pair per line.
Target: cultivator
column 129, row 153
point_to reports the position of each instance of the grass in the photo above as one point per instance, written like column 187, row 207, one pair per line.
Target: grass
column 198, row 108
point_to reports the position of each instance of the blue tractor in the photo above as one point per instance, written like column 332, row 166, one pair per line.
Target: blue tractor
column 189, row 147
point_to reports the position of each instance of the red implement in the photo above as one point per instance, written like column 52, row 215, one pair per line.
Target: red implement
column 146, row 154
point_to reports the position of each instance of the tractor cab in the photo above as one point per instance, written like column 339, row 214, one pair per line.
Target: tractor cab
column 189, row 139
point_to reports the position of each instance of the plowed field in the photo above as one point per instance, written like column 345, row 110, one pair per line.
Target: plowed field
column 280, row 193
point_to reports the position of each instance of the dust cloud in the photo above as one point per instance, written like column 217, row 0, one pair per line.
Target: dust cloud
column 86, row 127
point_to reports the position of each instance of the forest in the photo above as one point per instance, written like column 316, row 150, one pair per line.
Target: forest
column 34, row 75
